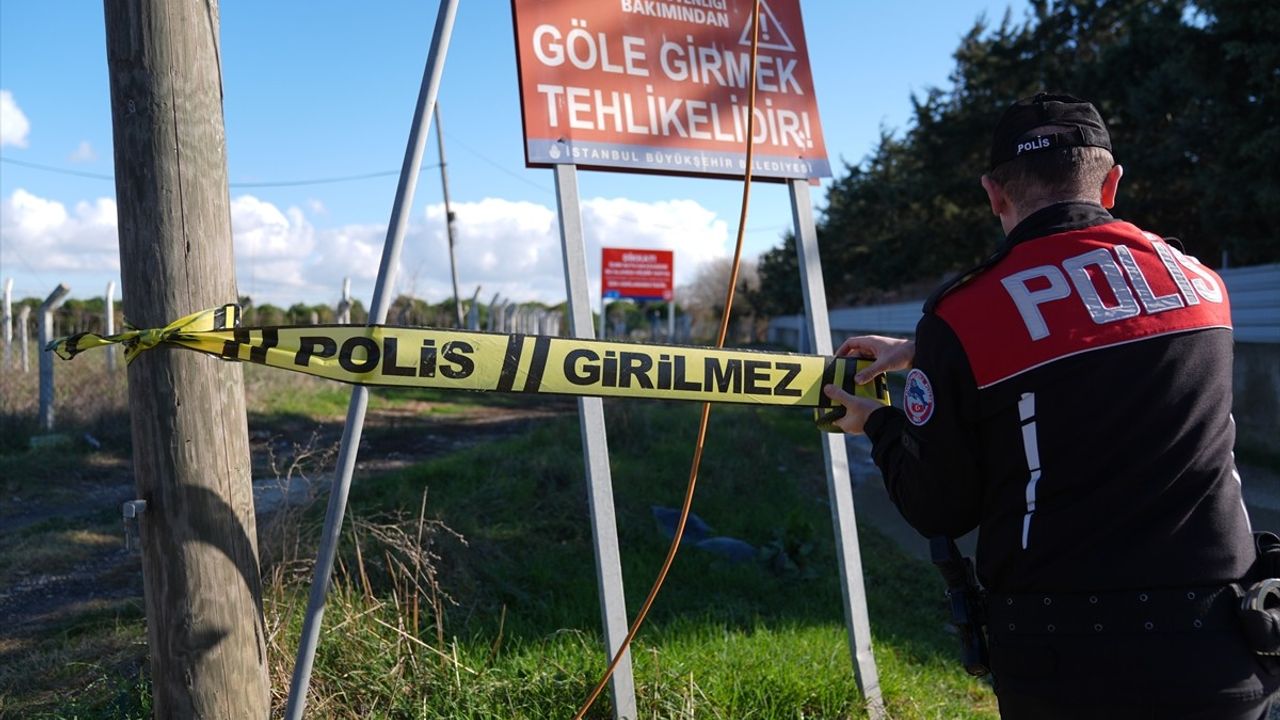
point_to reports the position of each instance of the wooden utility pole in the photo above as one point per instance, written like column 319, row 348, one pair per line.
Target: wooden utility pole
column 190, row 442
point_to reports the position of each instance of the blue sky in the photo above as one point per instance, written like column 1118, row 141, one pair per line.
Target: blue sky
column 323, row 89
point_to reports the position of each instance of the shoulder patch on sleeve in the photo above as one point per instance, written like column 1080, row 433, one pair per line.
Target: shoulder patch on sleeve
column 917, row 398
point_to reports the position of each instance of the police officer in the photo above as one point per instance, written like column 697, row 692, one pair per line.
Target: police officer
column 1071, row 398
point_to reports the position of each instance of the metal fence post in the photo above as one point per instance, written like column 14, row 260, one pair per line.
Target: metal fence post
column 344, row 305
column 24, row 320
column 8, row 323
column 493, row 306
column 109, row 323
column 473, row 311
column 51, row 303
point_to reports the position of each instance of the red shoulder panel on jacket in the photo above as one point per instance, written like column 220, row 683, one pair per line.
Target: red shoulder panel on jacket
column 1082, row 290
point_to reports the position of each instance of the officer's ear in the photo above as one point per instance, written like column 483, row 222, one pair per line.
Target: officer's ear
column 1000, row 204
column 1109, row 185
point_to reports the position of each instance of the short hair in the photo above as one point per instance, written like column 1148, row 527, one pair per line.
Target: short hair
column 1066, row 173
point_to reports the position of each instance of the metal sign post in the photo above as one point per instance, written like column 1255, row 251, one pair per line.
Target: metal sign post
column 595, row 450
column 839, row 486
column 360, row 394
column 607, row 98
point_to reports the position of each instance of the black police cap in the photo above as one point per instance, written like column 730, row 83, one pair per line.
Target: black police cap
column 1016, row 134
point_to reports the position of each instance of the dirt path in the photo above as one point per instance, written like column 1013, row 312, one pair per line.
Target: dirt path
column 35, row 599
column 394, row 438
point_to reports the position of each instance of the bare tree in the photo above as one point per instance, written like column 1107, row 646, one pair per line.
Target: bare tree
column 703, row 299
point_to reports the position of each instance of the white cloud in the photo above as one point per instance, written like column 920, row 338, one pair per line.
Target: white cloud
column 513, row 248
column 272, row 249
column 84, row 153
column 13, row 124
column 43, row 235
column 692, row 231
column 507, row 247
column 317, row 207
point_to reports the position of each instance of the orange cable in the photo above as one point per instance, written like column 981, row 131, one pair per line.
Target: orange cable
column 706, row 407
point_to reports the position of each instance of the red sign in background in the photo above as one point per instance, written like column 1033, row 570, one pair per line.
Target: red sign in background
column 662, row 86
column 637, row 274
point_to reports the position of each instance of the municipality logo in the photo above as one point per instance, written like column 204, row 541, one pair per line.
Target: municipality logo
column 918, row 397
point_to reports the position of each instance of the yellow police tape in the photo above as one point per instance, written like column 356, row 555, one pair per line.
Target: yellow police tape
column 398, row 356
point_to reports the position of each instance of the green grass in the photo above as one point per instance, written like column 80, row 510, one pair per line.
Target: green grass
column 521, row 639
column 275, row 397
column 54, row 547
column 763, row 639
column 56, row 474
column 750, row 640
column 87, row 666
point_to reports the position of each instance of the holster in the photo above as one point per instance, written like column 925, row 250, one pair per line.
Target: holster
column 967, row 602
column 1259, row 611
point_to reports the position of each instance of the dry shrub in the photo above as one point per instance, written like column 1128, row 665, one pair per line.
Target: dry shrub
column 385, row 606
column 88, row 398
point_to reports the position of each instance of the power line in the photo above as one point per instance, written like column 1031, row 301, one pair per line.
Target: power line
column 773, row 229
column 324, row 181
column 329, row 180
column 13, row 249
column 262, row 184
column 503, row 169
column 60, row 171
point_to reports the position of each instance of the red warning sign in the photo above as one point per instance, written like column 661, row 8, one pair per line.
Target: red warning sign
column 637, row 274
column 662, row 86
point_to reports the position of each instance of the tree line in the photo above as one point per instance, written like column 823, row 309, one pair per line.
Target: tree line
column 1189, row 90
column 89, row 314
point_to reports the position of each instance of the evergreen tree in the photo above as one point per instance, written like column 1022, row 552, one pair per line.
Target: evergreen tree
column 1189, row 91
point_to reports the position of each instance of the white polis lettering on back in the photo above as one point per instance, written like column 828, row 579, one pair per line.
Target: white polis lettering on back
column 1031, row 446
column 1028, row 300
column 1179, row 277
column 1204, row 283
column 1126, row 306
column 1150, row 301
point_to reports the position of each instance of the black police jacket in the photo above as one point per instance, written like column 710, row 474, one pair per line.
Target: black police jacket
column 1071, row 397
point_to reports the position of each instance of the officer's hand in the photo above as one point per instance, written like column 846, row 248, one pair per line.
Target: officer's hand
column 888, row 353
column 857, row 409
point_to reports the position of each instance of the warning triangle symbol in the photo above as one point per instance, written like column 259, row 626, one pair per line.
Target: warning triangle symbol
column 772, row 35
